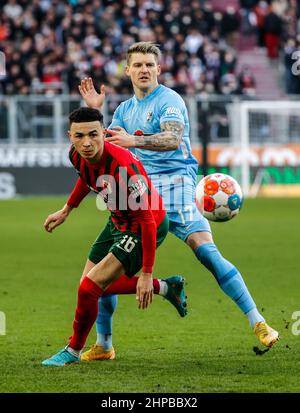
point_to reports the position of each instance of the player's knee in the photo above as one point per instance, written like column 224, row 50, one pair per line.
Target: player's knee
column 86, row 290
column 197, row 239
column 207, row 253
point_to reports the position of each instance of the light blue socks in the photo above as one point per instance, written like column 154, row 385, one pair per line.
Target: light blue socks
column 106, row 307
column 229, row 279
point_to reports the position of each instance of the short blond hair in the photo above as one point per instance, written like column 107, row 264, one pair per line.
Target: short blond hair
column 144, row 48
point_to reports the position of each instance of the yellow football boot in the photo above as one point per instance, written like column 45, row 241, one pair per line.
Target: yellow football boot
column 266, row 334
column 97, row 352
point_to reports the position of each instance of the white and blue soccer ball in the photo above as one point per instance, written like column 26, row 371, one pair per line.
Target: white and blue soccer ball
column 219, row 197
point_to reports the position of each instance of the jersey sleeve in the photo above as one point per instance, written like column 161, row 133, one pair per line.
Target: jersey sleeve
column 79, row 192
column 172, row 109
column 148, row 227
column 117, row 119
column 139, row 195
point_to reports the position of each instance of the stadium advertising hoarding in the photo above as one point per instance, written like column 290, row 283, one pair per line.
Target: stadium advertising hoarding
column 276, row 166
column 46, row 170
column 35, row 170
column 257, row 155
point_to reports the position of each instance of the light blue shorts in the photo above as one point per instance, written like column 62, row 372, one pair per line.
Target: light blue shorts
column 184, row 223
column 178, row 193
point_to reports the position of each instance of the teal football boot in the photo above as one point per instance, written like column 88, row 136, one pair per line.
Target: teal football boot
column 176, row 294
column 62, row 358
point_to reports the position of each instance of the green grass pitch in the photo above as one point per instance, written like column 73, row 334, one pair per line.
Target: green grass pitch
column 211, row 350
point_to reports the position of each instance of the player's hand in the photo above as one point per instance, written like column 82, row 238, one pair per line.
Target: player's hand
column 144, row 290
column 57, row 218
column 120, row 137
column 89, row 94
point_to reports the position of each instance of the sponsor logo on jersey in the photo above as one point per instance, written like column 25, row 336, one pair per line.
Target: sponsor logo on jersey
column 137, row 188
column 149, row 116
column 139, row 132
column 171, row 110
column 105, row 190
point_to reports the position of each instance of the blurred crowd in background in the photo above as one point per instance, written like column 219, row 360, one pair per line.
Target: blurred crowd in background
column 277, row 27
column 51, row 45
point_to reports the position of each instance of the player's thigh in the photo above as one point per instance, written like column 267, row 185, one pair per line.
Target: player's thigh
column 190, row 226
column 87, row 268
column 101, row 246
column 109, row 269
column 127, row 248
column 195, row 239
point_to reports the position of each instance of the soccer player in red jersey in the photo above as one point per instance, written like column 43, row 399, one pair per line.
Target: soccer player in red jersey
column 137, row 226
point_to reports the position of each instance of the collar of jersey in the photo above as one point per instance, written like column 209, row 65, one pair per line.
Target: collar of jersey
column 150, row 96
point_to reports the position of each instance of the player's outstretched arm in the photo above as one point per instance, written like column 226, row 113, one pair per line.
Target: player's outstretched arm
column 167, row 140
column 92, row 98
column 57, row 218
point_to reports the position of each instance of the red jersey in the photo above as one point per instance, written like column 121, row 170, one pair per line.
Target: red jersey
column 122, row 182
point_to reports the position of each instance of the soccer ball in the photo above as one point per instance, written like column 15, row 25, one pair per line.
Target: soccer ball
column 219, row 197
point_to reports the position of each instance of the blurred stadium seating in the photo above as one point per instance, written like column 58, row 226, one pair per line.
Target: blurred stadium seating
column 215, row 54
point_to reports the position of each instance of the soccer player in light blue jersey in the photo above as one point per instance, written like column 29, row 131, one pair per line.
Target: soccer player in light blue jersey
column 154, row 125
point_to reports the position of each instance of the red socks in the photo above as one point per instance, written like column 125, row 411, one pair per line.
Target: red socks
column 86, row 312
column 87, row 304
column 127, row 285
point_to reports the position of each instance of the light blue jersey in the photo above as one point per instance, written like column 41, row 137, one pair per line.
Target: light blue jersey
column 172, row 172
column 146, row 115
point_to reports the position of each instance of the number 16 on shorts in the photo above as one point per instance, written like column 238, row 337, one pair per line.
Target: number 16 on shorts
column 127, row 243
